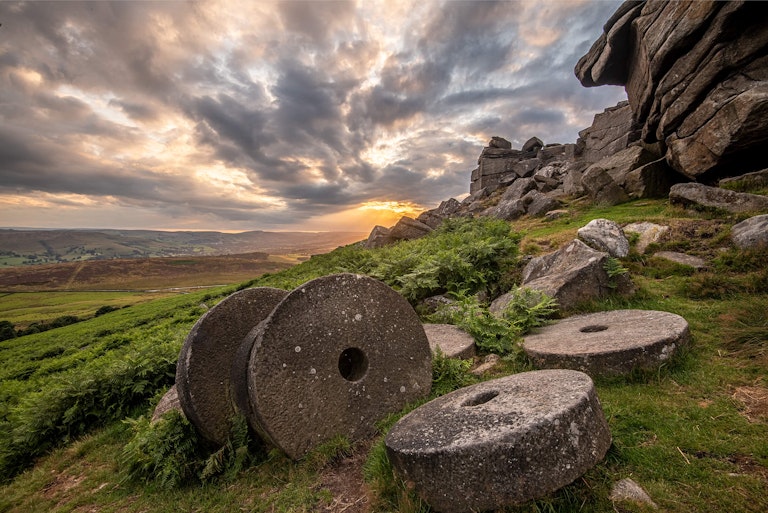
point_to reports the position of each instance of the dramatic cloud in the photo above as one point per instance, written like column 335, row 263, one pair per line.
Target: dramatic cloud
column 238, row 115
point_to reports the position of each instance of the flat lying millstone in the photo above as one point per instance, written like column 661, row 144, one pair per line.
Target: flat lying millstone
column 336, row 355
column 452, row 341
column 502, row 442
column 608, row 343
column 204, row 369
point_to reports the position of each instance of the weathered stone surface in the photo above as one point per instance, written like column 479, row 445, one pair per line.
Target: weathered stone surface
column 378, row 237
column 649, row 234
column 682, row 259
column 452, row 340
column 551, row 151
column 612, row 130
column 518, row 189
column 696, row 74
column 169, row 401
column 335, row 356
column 602, row 189
column 508, row 210
column 557, row 214
column 500, row 142
column 751, row 233
column 702, row 196
column 525, row 168
column 408, row 228
column 626, row 490
column 448, row 207
column 538, row 204
column 605, row 235
column 651, row 180
column 502, row 442
column 204, row 369
column 746, row 181
column 533, row 144
column 573, row 274
column 608, row 343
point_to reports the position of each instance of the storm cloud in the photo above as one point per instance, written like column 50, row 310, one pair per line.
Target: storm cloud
column 230, row 115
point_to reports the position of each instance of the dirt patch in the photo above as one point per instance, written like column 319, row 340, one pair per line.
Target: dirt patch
column 755, row 401
column 344, row 479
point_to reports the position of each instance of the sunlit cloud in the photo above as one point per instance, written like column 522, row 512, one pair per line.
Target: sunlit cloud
column 240, row 115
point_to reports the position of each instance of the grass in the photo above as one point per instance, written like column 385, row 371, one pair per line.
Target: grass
column 24, row 308
column 693, row 434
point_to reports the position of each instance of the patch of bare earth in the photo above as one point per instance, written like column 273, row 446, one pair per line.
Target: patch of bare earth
column 344, row 480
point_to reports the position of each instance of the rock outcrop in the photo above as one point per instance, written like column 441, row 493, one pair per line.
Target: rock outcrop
column 696, row 75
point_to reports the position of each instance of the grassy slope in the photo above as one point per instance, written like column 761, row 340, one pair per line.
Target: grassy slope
column 694, row 434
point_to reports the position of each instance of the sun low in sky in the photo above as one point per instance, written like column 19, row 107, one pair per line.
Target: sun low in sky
column 228, row 115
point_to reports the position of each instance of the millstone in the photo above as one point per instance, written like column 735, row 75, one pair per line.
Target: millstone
column 452, row 341
column 502, row 442
column 609, row 343
column 203, row 372
column 336, row 355
column 169, row 401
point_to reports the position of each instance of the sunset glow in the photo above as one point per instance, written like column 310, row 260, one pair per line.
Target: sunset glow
column 286, row 115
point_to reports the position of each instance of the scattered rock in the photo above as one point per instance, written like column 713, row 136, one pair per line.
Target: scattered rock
column 335, row 356
column 556, row 214
column 602, row 189
column 408, row 228
column 538, row 204
column 605, row 235
column 500, row 142
column 746, row 181
column 681, row 258
column 629, row 491
column 703, row 196
column 433, row 303
column 489, row 362
column 203, row 372
column 532, row 144
column 608, row 343
column 452, row 341
column 649, row 234
column 574, row 274
column 502, row 442
column 378, row 237
column 751, row 233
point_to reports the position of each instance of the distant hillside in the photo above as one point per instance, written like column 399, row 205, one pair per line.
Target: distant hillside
column 28, row 247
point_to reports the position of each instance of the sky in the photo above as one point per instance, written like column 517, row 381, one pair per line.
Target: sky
column 236, row 115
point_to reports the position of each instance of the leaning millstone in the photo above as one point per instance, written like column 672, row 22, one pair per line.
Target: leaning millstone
column 337, row 355
column 751, row 233
column 169, row 401
column 452, row 341
column 502, row 442
column 605, row 235
column 203, row 373
column 608, row 343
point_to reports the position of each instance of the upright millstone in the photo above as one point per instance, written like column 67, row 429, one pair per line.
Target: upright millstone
column 204, row 369
column 502, row 442
column 336, row 355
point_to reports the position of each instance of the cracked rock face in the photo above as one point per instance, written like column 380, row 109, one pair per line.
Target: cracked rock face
column 501, row 442
column 696, row 76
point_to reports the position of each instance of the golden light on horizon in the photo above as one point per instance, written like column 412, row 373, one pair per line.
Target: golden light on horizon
column 403, row 208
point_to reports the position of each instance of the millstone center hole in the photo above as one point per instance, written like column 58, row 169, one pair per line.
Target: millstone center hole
column 481, row 398
column 353, row 364
column 593, row 328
